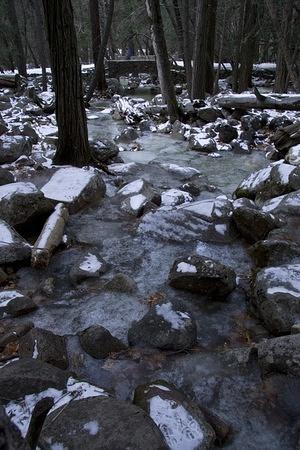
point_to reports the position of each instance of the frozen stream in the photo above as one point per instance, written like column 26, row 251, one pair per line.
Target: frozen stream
column 213, row 374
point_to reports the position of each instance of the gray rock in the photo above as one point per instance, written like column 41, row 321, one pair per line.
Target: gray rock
column 179, row 419
column 99, row 343
column 104, row 151
column 46, row 346
column 21, row 201
column 27, row 376
column 254, row 183
column 3, row 127
column 276, row 297
column 25, row 130
column 274, row 252
column 129, row 134
column 293, row 155
column 165, row 326
column 202, row 144
column 91, row 266
column 281, row 354
column 227, row 133
column 12, row 246
column 239, row 146
column 3, row 276
column 12, row 147
column 134, row 205
column 208, row 114
column 278, row 122
column 135, row 187
column 121, row 283
column 101, row 423
column 284, row 205
column 284, row 178
column 6, row 177
column 252, row 224
column 203, row 276
column 20, row 305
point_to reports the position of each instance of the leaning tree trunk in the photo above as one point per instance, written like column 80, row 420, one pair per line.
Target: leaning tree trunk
column 200, row 50
column 248, row 45
column 100, row 59
column 73, row 146
column 96, row 40
column 12, row 16
column 162, row 58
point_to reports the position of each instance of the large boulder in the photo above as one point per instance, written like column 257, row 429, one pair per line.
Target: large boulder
column 284, row 205
column 165, row 326
column 46, row 346
column 16, row 304
column 136, row 187
column 208, row 113
column 202, row 143
column 227, row 133
column 27, row 376
column 203, row 276
column 253, row 183
column 173, row 197
column 12, row 246
column 98, row 342
column 179, row 419
column 274, row 252
column 6, row 177
column 281, row 354
column 21, row 201
column 127, row 135
column 277, row 297
column 293, row 155
column 284, row 178
column 101, row 423
column 253, row 224
column 104, row 150
column 75, row 187
column 12, row 147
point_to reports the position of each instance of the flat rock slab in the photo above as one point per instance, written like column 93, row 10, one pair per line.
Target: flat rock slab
column 21, row 201
column 12, row 246
column 75, row 187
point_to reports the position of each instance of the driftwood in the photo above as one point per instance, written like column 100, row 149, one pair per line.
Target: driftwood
column 10, row 80
column 50, row 237
column 287, row 137
column 259, row 101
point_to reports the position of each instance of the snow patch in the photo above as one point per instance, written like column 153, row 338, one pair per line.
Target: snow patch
column 186, row 268
column 90, row 263
column 92, row 427
column 177, row 319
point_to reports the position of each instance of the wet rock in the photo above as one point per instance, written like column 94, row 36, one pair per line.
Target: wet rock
column 129, row 134
column 139, row 186
column 75, row 187
column 26, row 376
column 12, row 147
column 278, row 122
column 3, row 127
column 99, row 343
column 147, row 125
column 46, row 346
column 203, row 276
column 276, row 297
column 121, row 283
column 121, row 169
column 244, row 203
column 91, row 266
column 18, row 306
column 101, row 423
column 208, row 114
column 3, row 276
column 239, row 146
column 21, row 201
column 179, row 419
column 25, row 130
column 253, row 224
column 134, row 205
column 274, row 252
column 6, row 177
column 185, row 173
column 284, row 178
column 281, row 354
column 179, row 129
column 293, row 155
column 12, row 332
column 227, row 133
column 202, row 144
column 173, row 197
column 251, row 185
column 284, row 205
column 104, row 151
column 165, row 127
column 12, row 246
column 165, row 326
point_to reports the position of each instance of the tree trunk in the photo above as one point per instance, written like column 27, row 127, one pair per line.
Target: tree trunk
column 73, row 147
column 100, row 60
column 162, row 58
column 282, row 75
column 237, row 49
column 96, row 40
column 210, row 73
column 248, row 45
column 187, row 52
column 12, row 16
column 244, row 102
column 200, row 50
column 41, row 39
column 220, row 52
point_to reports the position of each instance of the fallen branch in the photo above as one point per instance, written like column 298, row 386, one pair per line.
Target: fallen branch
column 258, row 101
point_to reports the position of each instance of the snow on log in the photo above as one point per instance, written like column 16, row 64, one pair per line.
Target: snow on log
column 249, row 101
column 50, row 237
column 129, row 111
column 9, row 80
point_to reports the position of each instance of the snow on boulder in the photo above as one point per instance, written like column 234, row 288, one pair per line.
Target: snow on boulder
column 286, row 205
column 21, row 201
column 139, row 186
column 75, row 187
column 179, row 419
column 293, row 155
column 15, row 304
column 90, row 266
column 202, row 143
column 12, row 246
column 167, row 326
column 251, row 185
column 134, row 205
column 173, row 197
column 277, row 297
column 182, row 171
column 202, row 275
column 280, row 354
column 12, row 147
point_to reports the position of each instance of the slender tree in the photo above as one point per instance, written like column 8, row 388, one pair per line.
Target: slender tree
column 248, row 45
column 12, row 16
column 162, row 57
column 40, row 38
column 73, row 147
column 96, row 40
column 200, row 50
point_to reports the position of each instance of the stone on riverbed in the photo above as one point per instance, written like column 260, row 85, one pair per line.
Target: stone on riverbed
column 15, row 304
column 253, row 224
column 202, row 143
column 285, row 205
column 91, row 266
column 46, row 346
column 6, row 177
column 99, row 343
column 293, row 155
column 12, row 246
column 134, row 205
column 104, row 151
column 281, row 354
column 135, row 187
column 274, row 252
column 226, row 133
column 75, row 187
column 277, row 297
column 121, row 283
column 251, row 185
column 179, row 419
column 21, row 201
column 165, row 326
column 129, row 134
column 101, row 423
column 12, row 147
column 173, row 197
column 203, row 276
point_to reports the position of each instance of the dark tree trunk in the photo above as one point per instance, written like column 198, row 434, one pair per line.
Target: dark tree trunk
column 100, row 60
column 187, row 51
column 96, row 40
column 237, row 48
column 73, row 147
column 12, row 16
column 200, row 50
column 248, row 45
column 40, row 38
column 210, row 73
column 162, row 58
column 282, row 75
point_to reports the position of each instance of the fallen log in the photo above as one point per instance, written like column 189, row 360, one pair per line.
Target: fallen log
column 249, row 101
column 10, row 80
column 50, row 237
column 287, row 137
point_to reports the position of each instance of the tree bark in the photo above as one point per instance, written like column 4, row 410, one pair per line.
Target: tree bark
column 187, row 51
column 12, row 16
column 96, row 40
column 162, row 58
column 210, row 73
column 248, row 45
column 282, row 75
column 100, row 60
column 40, row 38
column 200, row 50
column 73, row 147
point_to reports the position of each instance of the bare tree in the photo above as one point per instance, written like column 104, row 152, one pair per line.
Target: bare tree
column 12, row 16
column 96, row 40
